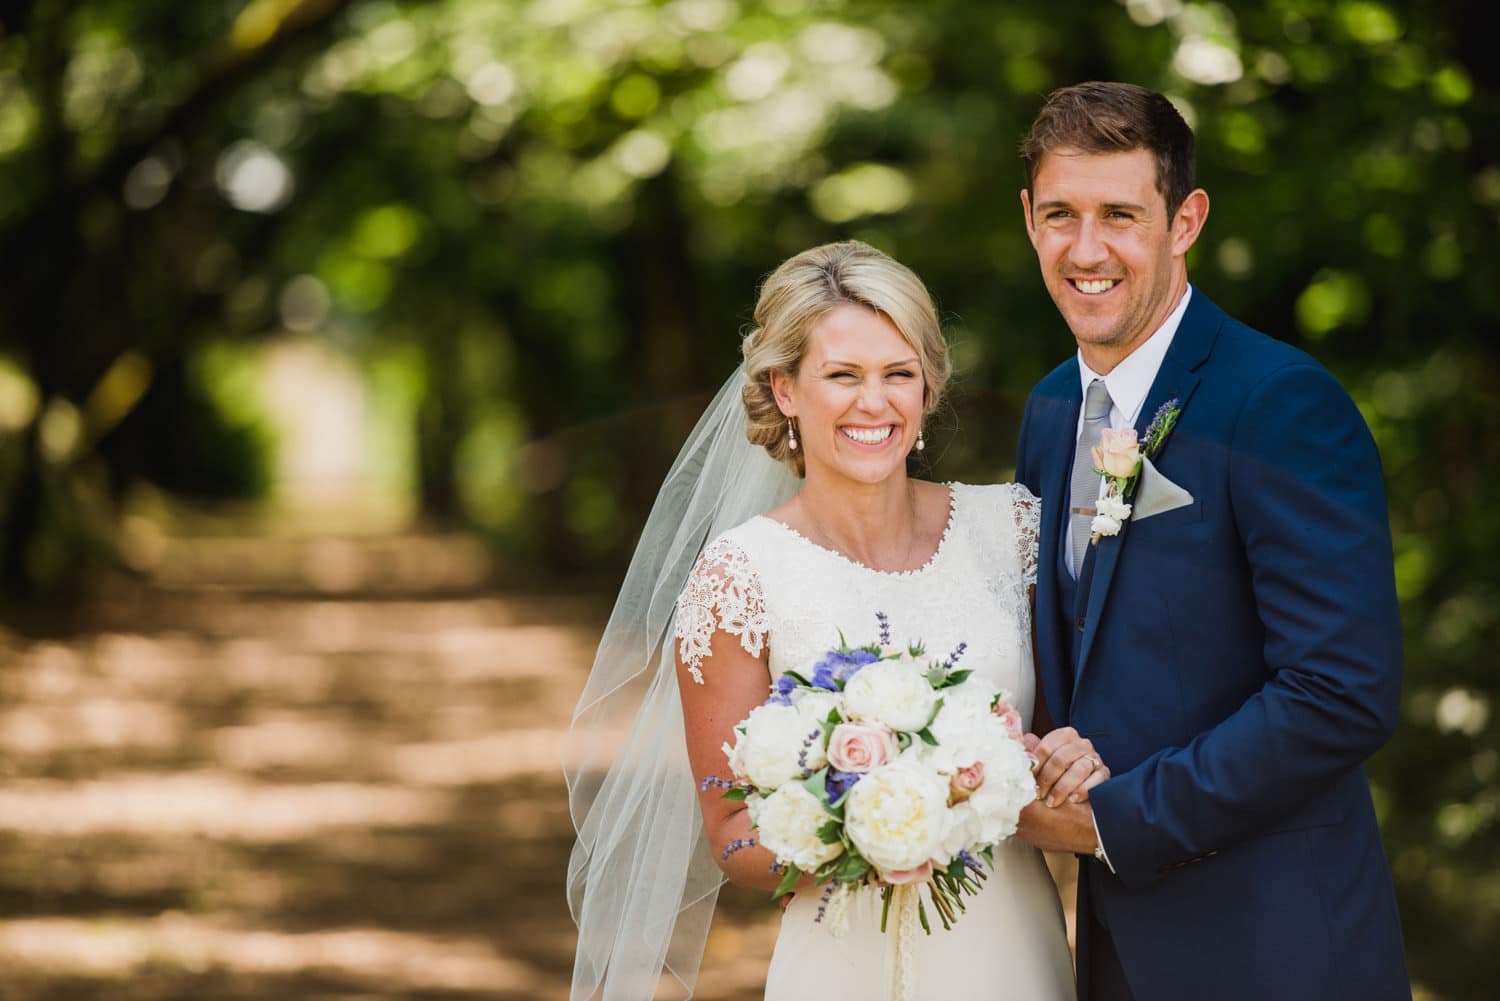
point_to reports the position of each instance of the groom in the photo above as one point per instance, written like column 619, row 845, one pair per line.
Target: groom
column 1231, row 645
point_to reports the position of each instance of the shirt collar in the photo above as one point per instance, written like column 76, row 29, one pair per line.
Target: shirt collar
column 1130, row 381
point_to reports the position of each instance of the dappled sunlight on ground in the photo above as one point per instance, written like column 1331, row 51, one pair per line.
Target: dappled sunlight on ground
column 301, row 769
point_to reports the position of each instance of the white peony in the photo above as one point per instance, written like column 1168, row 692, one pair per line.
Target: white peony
column 893, row 692
column 815, row 704
column 1008, row 787
column 788, row 822
column 962, row 727
column 769, row 751
column 897, row 815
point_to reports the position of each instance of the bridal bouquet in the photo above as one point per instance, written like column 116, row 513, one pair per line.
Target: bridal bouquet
column 882, row 765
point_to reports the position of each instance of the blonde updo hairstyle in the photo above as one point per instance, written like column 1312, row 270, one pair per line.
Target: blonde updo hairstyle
column 796, row 297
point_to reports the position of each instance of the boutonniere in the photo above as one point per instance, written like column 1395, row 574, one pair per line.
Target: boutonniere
column 1117, row 458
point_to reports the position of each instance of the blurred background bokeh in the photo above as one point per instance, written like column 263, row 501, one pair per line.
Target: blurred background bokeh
column 343, row 344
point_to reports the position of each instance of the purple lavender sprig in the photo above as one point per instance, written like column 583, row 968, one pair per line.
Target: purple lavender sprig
column 823, row 900
column 958, row 652
column 1162, row 423
column 885, row 628
column 807, row 743
column 738, row 844
column 714, row 782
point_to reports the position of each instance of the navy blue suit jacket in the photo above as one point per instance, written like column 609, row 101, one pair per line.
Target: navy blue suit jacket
column 1234, row 661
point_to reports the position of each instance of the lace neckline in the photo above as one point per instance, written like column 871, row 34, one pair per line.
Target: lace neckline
column 843, row 558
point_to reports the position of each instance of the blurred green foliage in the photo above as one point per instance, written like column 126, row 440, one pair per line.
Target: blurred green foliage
column 538, row 226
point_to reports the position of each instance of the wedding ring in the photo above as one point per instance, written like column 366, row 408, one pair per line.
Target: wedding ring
column 1094, row 761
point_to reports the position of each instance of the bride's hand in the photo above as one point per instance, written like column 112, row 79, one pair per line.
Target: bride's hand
column 1067, row 766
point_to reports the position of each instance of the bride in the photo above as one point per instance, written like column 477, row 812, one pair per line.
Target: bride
column 752, row 562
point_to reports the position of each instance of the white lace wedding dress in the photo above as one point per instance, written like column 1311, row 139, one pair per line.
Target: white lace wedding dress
column 767, row 585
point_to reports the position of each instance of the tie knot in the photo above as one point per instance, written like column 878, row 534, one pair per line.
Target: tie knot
column 1096, row 401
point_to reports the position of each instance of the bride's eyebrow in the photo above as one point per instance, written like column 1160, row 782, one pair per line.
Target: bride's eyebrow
column 833, row 363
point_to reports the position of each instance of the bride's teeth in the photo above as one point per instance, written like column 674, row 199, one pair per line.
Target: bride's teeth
column 868, row 436
column 1093, row 286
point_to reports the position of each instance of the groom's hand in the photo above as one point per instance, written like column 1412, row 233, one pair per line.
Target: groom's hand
column 1067, row 827
column 1067, row 766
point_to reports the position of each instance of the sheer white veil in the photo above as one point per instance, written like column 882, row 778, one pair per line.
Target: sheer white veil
column 642, row 880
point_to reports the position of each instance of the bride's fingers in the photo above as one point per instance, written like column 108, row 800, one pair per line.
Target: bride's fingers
column 1057, row 764
column 1072, row 778
column 1099, row 775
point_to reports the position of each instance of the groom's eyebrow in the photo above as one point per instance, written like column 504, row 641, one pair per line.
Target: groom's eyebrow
column 1107, row 206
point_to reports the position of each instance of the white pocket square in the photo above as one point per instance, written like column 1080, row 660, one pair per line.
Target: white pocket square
column 1156, row 494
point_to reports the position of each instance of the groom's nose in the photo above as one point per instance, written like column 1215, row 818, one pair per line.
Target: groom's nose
column 1088, row 249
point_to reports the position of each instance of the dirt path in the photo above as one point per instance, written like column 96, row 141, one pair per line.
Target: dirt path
column 300, row 771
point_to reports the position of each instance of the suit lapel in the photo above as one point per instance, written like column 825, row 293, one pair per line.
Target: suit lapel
column 1057, row 437
column 1175, row 379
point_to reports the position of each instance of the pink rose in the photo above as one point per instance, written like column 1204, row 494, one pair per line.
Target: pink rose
column 859, row 747
column 1118, row 453
column 920, row 874
column 1010, row 717
column 965, row 781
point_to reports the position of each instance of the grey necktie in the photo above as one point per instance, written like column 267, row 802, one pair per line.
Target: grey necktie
column 1084, row 492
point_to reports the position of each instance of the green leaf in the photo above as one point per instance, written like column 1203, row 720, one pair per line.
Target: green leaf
column 831, row 832
column 852, row 866
column 937, row 708
column 798, row 678
column 956, row 869
column 954, row 678
column 738, row 794
column 927, row 737
column 788, row 881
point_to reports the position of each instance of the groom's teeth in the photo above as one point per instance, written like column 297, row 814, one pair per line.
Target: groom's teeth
column 1093, row 286
column 868, row 436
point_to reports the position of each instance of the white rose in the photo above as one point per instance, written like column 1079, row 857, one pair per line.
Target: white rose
column 897, row 815
column 788, row 821
column 893, row 692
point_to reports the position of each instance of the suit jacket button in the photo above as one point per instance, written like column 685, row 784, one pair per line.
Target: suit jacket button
column 1081, row 623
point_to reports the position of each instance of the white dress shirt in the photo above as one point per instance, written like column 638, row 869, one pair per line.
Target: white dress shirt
column 1127, row 384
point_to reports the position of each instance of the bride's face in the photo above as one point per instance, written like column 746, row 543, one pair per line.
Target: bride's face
column 857, row 397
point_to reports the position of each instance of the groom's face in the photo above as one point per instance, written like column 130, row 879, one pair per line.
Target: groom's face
column 1106, row 247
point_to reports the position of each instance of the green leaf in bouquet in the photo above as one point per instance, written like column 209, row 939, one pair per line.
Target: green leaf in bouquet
column 831, row 832
column 798, row 678
column 956, row 869
column 927, row 737
column 954, row 678
column 936, row 708
column 789, row 878
column 736, row 793
column 903, row 739
column 850, row 866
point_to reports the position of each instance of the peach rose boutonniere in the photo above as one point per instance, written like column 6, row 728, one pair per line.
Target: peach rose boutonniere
column 1117, row 458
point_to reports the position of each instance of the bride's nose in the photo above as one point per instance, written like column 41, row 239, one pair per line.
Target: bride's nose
column 872, row 396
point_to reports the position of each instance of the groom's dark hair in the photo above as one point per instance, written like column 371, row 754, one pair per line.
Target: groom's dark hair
column 1100, row 117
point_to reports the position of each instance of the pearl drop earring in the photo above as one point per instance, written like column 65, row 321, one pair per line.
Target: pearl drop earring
column 921, row 442
column 791, row 436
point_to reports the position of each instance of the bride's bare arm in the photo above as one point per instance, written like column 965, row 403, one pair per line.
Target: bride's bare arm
column 733, row 683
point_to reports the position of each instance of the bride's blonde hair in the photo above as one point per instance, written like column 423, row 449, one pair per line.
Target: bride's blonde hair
column 799, row 294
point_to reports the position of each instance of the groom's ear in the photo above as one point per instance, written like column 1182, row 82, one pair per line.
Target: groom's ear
column 1191, row 215
column 1026, row 211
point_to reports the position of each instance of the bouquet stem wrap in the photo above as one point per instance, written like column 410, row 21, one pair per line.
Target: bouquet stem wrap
column 900, row 951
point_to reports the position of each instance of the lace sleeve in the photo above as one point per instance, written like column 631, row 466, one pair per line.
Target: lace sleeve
column 1027, row 512
column 724, row 592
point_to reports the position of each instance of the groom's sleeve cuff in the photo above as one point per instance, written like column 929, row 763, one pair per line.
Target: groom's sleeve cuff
column 1099, row 852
